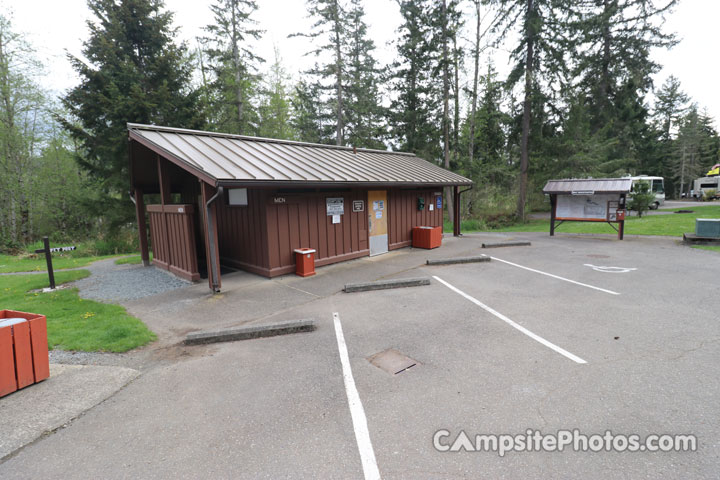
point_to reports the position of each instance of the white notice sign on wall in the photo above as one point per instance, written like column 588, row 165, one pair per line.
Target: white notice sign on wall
column 335, row 206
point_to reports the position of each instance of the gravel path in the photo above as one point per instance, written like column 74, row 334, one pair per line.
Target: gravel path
column 112, row 283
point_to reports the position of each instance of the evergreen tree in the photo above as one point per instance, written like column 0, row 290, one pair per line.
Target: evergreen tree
column 416, row 110
column 274, row 107
column 330, row 78
column 133, row 72
column 541, row 53
column 364, row 113
column 307, row 113
column 234, row 65
column 697, row 147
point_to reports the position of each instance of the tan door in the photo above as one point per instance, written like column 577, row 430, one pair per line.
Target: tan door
column 377, row 221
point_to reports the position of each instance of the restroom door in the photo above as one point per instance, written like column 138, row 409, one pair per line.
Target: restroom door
column 377, row 221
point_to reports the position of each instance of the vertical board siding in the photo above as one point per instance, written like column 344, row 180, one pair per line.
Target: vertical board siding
column 302, row 221
column 172, row 234
column 404, row 214
column 240, row 231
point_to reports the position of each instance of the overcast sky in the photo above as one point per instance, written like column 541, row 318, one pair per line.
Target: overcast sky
column 54, row 26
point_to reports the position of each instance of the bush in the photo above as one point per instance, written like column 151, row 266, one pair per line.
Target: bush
column 641, row 197
column 709, row 194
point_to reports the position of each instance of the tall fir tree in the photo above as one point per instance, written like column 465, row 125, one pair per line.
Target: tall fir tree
column 234, row 64
column 364, row 114
column 540, row 53
column 307, row 115
column 131, row 71
column 416, row 111
column 275, row 109
column 329, row 78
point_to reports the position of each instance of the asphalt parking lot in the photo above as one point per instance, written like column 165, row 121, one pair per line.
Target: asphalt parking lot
column 573, row 332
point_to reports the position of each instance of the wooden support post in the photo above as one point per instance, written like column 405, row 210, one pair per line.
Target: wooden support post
column 456, row 211
column 553, row 212
column 142, row 227
column 207, row 192
column 621, row 229
column 48, row 260
column 164, row 180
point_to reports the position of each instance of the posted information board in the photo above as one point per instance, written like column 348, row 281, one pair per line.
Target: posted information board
column 584, row 207
column 335, row 206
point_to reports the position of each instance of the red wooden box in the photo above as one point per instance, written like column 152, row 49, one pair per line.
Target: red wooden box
column 23, row 350
column 426, row 237
column 304, row 262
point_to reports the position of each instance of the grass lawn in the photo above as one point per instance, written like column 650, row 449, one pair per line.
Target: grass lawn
column 714, row 248
column 74, row 323
column 133, row 260
column 672, row 225
column 11, row 264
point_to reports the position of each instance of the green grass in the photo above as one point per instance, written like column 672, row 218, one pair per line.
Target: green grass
column 22, row 263
column 714, row 248
column 74, row 323
column 133, row 260
column 670, row 225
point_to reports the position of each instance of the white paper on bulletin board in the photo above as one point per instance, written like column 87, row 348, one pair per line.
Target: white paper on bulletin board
column 336, row 219
column 583, row 206
column 378, row 214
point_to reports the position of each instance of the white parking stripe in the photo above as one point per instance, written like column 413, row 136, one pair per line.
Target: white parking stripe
column 362, row 435
column 555, row 276
column 505, row 319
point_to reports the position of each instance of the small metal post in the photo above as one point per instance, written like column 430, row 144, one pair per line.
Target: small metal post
column 48, row 258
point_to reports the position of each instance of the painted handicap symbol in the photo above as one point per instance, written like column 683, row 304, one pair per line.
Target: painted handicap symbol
column 610, row 269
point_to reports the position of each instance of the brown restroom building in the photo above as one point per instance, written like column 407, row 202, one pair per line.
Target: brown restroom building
column 246, row 203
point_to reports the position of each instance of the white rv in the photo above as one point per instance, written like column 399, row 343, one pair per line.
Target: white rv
column 702, row 185
column 657, row 186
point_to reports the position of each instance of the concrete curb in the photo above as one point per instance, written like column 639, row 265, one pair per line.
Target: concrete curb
column 505, row 244
column 384, row 284
column 245, row 333
column 453, row 261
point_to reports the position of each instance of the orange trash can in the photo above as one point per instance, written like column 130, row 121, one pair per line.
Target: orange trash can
column 426, row 237
column 24, row 356
column 304, row 261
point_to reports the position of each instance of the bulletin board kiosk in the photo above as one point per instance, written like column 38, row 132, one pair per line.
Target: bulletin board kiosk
column 589, row 200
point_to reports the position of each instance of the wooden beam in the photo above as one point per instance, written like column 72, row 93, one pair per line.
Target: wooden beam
column 456, row 211
column 142, row 226
column 553, row 213
column 207, row 192
column 164, row 180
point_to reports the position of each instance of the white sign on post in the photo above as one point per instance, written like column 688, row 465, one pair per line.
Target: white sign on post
column 335, row 206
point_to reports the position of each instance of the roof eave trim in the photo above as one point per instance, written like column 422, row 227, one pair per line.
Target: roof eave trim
column 321, row 184
column 201, row 174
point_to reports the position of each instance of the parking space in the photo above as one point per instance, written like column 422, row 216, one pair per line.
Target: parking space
column 487, row 343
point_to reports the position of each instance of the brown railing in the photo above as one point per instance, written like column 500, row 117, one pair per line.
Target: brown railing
column 173, row 239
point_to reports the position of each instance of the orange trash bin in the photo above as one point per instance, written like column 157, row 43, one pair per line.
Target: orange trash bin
column 426, row 237
column 304, row 261
column 24, row 356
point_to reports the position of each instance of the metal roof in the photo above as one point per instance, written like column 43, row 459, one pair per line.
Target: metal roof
column 242, row 160
column 595, row 185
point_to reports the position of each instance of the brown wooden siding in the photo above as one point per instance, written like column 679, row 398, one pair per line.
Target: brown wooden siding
column 242, row 232
column 404, row 214
column 172, row 232
column 301, row 220
column 261, row 236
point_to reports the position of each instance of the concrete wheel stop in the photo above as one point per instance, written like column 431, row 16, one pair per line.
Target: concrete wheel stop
column 505, row 244
column 456, row 260
column 249, row 332
column 385, row 284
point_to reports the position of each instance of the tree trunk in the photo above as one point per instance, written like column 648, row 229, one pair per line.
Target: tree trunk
column 476, row 73
column 525, row 139
column 338, row 78
column 682, row 173
column 456, row 99
column 446, row 108
column 236, row 67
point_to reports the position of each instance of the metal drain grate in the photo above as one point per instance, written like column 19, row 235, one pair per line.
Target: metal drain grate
column 392, row 361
